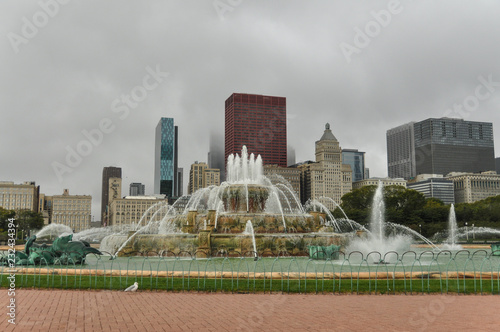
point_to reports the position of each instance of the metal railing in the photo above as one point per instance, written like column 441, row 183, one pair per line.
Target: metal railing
column 411, row 272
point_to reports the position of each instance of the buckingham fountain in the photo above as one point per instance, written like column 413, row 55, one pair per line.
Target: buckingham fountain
column 253, row 215
column 248, row 214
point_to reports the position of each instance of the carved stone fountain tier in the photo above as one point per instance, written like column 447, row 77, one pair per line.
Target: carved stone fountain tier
column 242, row 198
column 202, row 238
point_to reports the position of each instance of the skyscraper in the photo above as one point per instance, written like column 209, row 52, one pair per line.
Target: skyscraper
column 201, row 176
column 107, row 173
column 440, row 146
column 259, row 122
column 216, row 153
column 196, row 177
column 401, row 152
column 166, row 172
column 327, row 179
column 137, row 189
column 180, row 176
column 356, row 159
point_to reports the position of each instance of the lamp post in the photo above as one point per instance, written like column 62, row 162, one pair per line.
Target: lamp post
column 466, row 232
column 473, row 234
column 420, row 226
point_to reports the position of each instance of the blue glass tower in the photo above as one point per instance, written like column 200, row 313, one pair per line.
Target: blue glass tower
column 356, row 159
column 166, row 181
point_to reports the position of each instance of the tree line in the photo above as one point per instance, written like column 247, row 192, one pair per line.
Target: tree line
column 410, row 208
column 25, row 221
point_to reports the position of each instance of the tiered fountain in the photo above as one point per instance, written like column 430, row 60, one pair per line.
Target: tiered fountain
column 214, row 219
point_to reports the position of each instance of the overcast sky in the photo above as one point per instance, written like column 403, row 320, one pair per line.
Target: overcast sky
column 362, row 66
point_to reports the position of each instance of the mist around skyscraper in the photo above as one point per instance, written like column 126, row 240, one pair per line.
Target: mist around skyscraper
column 215, row 158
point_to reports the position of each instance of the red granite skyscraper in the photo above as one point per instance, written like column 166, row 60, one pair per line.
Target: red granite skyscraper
column 259, row 122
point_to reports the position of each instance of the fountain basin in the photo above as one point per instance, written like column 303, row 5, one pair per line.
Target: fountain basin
column 208, row 244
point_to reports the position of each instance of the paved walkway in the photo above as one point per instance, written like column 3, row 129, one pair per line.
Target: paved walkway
column 67, row 310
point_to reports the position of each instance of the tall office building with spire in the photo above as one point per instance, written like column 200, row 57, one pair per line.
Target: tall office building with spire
column 327, row 179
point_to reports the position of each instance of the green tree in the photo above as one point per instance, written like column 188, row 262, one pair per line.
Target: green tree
column 5, row 215
column 464, row 211
column 28, row 220
column 411, row 208
column 359, row 198
column 433, row 203
column 403, row 206
column 434, row 212
column 357, row 203
column 403, row 199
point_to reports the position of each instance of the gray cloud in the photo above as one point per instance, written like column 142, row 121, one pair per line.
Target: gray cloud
column 65, row 79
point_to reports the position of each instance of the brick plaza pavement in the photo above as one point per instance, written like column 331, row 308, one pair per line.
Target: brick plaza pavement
column 69, row 310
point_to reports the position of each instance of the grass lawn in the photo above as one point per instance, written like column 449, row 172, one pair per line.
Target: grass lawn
column 381, row 286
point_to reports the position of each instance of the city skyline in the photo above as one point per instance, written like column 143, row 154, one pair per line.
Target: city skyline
column 74, row 101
